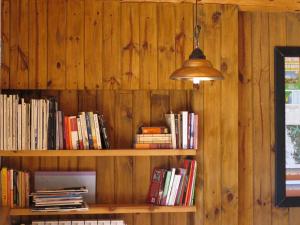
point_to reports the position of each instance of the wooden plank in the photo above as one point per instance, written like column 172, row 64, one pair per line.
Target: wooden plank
column 148, row 46
column 93, row 23
column 212, row 118
column 38, row 44
column 178, row 102
column 123, row 137
column 166, row 45
column 141, row 165
column 183, row 39
column 105, row 166
column 277, row 36
column 5, row 38
column 110, row 209
column 4, row 216
column 19, row 43
column 229, row 118
column 75, row 45
column 245, row 121
column 244, row 5
column 57, row 20
column 160, row 103
column 111, row 45
column 130, row 42
column 261, row 119
column 68, row 103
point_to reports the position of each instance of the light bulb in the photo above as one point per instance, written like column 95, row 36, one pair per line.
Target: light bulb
column 196, row 80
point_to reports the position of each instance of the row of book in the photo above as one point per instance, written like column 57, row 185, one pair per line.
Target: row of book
column 39, row 125
column 52, row 200
column 184, row 129
column 85, row 131
column 79, row 222
column 175, row 186
column 14, row 188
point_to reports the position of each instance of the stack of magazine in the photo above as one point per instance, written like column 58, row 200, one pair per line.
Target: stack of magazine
column 66, row 199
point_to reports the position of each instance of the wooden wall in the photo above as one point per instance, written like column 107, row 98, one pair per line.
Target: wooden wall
column 258, row 34
column 117, row 57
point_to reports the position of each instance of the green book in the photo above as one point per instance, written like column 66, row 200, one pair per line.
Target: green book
column 166, row 188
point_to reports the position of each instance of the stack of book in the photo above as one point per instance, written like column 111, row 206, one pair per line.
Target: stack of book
column 153, row 137
column 39, row 125
column 66, row 199
column 14, row 188
column 184, row 129
column 174, row 186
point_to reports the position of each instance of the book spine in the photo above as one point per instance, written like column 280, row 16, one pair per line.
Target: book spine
column 89, row 131
column 97, row 130
column 196, row 131
column 57, row 130
column 23, row 124
column 80, row 134
column 104, row 136
column 60, row 130
column 184, row 115
column 189, row 187
column 154, row 130
column 176, row 130
column 84, row 131
column 1, row 122
column 192, row 132
column 4, row 186
column 174, row 190
column 92, row 123
column 5, row 122
column 153, row 146
column 19, row 125
column 73, row 132
column 66, row 132
column 156, row 180
column 170, row 186
column 179, row 125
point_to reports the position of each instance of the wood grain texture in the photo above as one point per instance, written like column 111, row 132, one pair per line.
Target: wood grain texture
column 57, row 22
column 75, row 45
column 5, row 39
column 148, row 46
column 111, row 45
column 212, row 118
column 19, row 13
column 38, row 44
column 130, row 43
column 166, row 45
column 229, row 119
column 93, row 46
column 245, row 121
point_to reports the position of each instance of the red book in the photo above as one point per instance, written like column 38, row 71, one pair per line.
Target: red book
column 73, row 132
column 155, row 186
column 190, row 182
column 66, row 132
column 154, row 130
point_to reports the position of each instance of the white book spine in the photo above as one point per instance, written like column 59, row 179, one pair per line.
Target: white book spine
column 91, row 117
column 80, row 139
column 9, row 124
column 77, row 222
column 84, row 131
column 184, row 115
column 14, row 126
column 28, row 113
column 174, row 189
column 19, row 127
column 97, row 129
column 5, row 122
column 24, row 124
column 32, row 124
column 192, row 132
column 170, row 186
column 91, row 222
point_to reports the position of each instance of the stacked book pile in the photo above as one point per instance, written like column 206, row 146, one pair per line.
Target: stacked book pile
column 66, row 199
column 14, row 188
column 153, row 137
column 39, row 125
column 174, row 186
column 184, row 129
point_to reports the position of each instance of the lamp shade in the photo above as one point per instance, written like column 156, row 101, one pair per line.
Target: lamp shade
column 196, row 68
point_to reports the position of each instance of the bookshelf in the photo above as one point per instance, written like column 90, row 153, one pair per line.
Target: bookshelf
column 98, row 153
column 109, row 209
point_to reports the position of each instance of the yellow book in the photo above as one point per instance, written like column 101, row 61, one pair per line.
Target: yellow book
column 4, row 186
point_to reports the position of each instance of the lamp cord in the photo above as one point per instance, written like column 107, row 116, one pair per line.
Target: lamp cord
column 197, row 28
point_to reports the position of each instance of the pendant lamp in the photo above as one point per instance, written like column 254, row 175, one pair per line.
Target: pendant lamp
column 197, row 67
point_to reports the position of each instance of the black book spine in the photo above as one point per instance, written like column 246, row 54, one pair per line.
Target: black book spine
column 103, row 133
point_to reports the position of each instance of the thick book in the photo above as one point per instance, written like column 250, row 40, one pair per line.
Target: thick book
column 89, row 131
column 4, row 186
column 190, row 164
column 154, row 138
column 154, row 130
column 179, row 195
column 156, row 182
column 97, row 130
column 153, row 146
column 103, row 132
column 174, row 190
column 166, row 187
column 170, row 185
column 184, row 116
column 84, row 132
column 92, row 124
column 192, row 130
column 73, row 132
column 80, row 137
column 170, row 119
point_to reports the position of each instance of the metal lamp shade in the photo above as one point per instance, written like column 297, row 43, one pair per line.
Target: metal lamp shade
column 196, row 69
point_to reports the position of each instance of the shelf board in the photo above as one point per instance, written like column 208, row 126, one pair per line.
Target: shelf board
column 100, row 153
column 110, row 209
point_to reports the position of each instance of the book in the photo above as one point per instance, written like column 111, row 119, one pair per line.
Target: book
column 170, row 119
column 153, row 146
column 91, row 222
column 4, row 186
column 80, row 137
column 97, row 129
column 93, row 130
column 166, row 188
column 154, row 130
column 176, row 182
column 170, row 185
column 156, row 182
column 153, row 138
column 103, row 133
column 73, row 132
column 184, row 115
column 84, row 130
column 196, row 132
column 89, row 131
column 179, row 195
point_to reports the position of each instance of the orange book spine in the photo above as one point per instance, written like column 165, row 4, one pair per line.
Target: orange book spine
column 154, row 130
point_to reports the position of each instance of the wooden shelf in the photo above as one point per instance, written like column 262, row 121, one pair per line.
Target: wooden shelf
column 110, row 209
column 100, row 153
